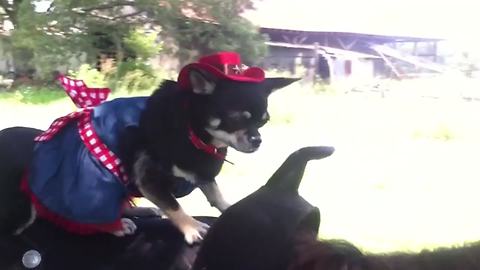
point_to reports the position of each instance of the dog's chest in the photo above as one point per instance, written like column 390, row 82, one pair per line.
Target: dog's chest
column 187, row 175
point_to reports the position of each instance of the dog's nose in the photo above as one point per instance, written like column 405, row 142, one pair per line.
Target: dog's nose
column 255, row 140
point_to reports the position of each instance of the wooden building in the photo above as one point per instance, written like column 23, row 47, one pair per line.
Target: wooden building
column 342, row 43
column 338, row 55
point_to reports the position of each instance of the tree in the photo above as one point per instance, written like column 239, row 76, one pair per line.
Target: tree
column 211, row 25
column 9, row 10
column 50, row 36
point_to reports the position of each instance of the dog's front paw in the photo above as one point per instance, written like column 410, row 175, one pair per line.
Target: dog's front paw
column 193, row 230
column 128, row 227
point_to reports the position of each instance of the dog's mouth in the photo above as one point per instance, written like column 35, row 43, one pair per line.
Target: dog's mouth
column 245, row 150
column 239, row 140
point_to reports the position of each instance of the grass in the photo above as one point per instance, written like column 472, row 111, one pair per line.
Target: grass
column 404, row 175
column 34, row 95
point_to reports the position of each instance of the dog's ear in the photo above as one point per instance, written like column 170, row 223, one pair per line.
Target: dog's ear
column 273, row 84
column 287, row 178
column 202, row 82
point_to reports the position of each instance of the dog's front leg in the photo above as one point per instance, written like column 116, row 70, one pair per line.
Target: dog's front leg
column 155, row 186
column 214, row 195
column 192, row 229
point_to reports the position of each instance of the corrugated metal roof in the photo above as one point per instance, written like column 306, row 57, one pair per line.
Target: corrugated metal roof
column 324, row 49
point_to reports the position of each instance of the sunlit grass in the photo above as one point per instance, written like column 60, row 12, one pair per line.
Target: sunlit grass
column 33, row 95
column 404, row 175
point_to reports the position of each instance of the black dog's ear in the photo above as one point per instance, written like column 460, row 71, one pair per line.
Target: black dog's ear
column 287, row 178
column 273, row 84
column 202, row 83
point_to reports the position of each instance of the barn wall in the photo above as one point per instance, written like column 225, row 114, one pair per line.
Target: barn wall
column 297, row 60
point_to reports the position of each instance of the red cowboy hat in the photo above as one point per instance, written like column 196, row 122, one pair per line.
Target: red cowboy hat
column 223, row 65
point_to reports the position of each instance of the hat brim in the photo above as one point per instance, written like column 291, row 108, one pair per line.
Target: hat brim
column 251, row 74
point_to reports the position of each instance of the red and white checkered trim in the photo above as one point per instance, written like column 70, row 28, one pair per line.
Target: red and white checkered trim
column 57, row 125
column 98, row 149
column 85, row 97
column 82, row 95
column 90, row 139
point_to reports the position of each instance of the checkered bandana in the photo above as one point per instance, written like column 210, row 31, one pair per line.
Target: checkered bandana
column 85, row 98
column 82, row 95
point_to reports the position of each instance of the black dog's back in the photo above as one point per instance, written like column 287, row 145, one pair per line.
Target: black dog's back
column 160, row 127
column 16, row 152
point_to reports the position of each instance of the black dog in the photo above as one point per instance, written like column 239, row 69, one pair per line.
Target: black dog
column 229, row 114
column 178, row 142
column 256, row 233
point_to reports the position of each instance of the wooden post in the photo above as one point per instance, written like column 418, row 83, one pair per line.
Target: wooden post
column 415, row 53
column 315, row 62
column 435, row 51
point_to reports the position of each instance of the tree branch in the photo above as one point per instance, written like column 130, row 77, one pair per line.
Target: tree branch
column 100, row 16
column 7, row 8
column 128, row 15
column 50, row 7
column 106, row 6
column 4, row 4
column 110, row 18
column 11, row 8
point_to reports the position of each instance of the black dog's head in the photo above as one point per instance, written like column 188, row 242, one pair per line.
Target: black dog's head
column 259, row 231
column 231, row 112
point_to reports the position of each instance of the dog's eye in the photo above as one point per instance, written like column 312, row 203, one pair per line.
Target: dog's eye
column 265, row 118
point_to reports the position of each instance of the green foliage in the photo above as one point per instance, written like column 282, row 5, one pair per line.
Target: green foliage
column 130, row 76
column 236, row 33
column 34, row 94
column 41, row 95
column 91, row 76
column 439, row 132
column 443, row 133
column 224, row 30
column 144, row 45
column 74, row 32
column 40, row 46
column 133, row 75
column 138, row 80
